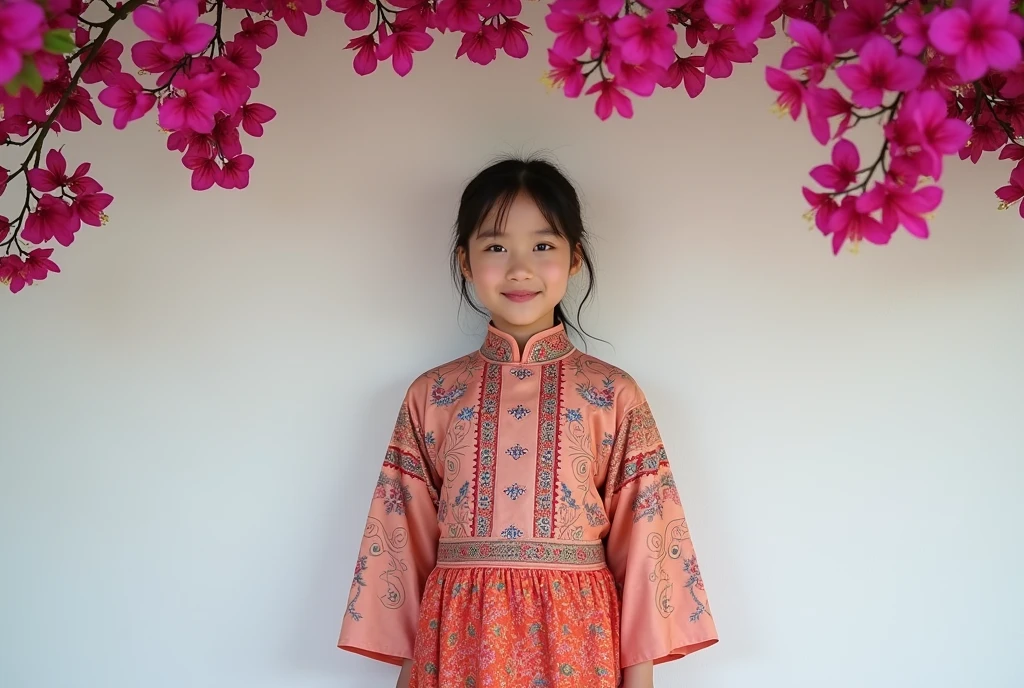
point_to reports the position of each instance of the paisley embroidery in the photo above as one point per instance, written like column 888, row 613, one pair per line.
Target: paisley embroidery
column 387, row 547
column 668, row 548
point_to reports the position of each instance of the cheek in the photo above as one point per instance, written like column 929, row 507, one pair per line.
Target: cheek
column 554, row 271
column 488, row 272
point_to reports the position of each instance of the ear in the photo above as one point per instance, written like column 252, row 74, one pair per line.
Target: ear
column 464, row 264
column 577, row 261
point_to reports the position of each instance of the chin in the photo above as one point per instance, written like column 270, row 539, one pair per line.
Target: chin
column 519, row 319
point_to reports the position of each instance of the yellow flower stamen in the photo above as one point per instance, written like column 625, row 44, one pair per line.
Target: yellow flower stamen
column 549, row 82
column 104, row 218
column 855, row 247
column 809, row 218
column 779, row 110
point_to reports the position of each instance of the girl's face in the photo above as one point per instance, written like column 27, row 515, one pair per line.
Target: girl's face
column 521, row 274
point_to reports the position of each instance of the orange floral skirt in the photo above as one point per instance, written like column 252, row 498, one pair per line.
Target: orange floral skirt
column 498, row 627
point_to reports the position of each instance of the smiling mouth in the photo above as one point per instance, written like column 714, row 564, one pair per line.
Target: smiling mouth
column 519, row 295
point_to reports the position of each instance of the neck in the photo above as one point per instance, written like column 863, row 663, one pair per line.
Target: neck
column 522, row 333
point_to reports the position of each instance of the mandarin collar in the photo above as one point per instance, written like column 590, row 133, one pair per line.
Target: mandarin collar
column 546, row 345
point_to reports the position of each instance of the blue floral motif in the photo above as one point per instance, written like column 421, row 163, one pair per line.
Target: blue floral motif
column 428, row 439
column 595, row 514
column 519, row 412
column 357, row 580
column 521, row 373
column 517, row 452
column 573, row 415
column 511, row 533
column 441, row 396
column 567, row 497
column 463, row 492
column 647, row 504
column 515, row 491
column 603, row 398
column 393, row 492
column 691, row 567
column 467, row 413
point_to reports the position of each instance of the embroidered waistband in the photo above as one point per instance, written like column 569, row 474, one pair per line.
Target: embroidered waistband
column 542, row 553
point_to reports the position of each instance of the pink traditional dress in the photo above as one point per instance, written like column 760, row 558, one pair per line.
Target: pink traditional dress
column 526, row 529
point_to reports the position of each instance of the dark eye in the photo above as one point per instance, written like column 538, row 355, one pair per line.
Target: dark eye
column 494, row 248
column 546, row 247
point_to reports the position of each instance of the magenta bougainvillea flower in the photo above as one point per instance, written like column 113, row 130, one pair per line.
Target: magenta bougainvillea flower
column 939, row 80
column 977, row 34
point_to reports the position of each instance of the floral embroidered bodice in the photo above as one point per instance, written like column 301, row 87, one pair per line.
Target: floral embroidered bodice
column 518, row 446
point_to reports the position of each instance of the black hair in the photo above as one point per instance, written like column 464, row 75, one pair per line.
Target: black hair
column 556, row 198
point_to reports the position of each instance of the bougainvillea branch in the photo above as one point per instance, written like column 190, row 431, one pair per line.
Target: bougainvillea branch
column 940, row 78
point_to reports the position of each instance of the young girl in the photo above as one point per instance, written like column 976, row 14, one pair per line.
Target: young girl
column 526, row 529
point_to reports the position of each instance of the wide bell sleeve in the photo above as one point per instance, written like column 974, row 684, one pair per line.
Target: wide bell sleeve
column 665, row 612
column 398, row 549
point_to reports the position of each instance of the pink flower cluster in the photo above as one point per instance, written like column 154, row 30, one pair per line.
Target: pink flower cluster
column 80, row 200
column 33, row 41
column 943, row 80
column 203, row 92
column 202, row 96
column 401, row 29
column 633, row 49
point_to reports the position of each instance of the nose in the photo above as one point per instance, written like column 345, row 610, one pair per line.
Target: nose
column 519, row 268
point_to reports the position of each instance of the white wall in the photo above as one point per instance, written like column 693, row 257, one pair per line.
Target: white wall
column 193, row 414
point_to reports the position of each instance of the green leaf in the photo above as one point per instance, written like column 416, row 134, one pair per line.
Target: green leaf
column 28, row 76
column 58, row 41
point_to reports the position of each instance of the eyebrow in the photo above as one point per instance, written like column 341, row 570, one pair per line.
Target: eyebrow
column 493, row 232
